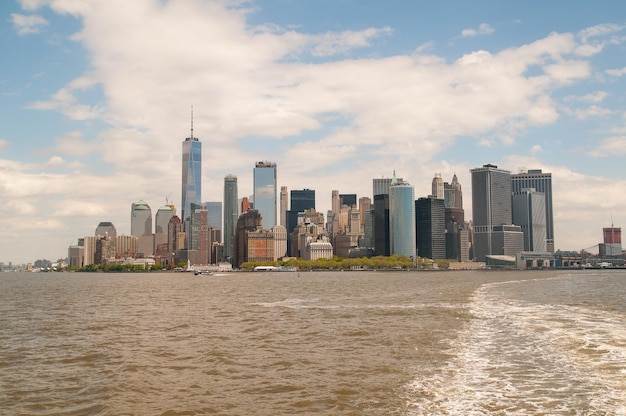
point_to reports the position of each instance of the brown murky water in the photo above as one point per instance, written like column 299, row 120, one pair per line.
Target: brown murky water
column 317, row 343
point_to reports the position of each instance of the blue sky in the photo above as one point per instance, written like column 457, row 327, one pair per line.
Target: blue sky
column 95, row 101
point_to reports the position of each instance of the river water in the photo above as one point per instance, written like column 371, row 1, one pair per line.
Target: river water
column 314, row 343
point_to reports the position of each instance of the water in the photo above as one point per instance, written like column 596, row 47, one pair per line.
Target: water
column 319, row 343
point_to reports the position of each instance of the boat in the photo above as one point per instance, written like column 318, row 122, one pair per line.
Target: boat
column 203, row 273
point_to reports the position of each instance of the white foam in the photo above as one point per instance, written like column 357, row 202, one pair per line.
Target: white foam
column 516, row 357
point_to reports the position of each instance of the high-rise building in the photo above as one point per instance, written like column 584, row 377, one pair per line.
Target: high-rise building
column 438, row 187
column 248, row 222
column 452, row 194
column 140, row 219
column 283, row 206
column 301, row 200
column 174, row 228
column 265, row 197
column 494, row 233
column 402, row 218
column 163, row 216
column 348, row 200
column 199, row 235
column 192, row 176
column 214, row 212
column 231, row 212
column 529, row 212
column 106, row 228
column 541, row 182
column 612, row 240
column 431, row 228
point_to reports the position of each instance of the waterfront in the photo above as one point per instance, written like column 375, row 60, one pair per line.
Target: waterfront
column 340, row 343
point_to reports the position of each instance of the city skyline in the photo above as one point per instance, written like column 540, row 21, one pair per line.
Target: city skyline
column 335, row 93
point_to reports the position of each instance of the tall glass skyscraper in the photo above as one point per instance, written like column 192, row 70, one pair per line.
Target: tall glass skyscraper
column 541, row 182
column 231, row 212
column 192, row 176
column 402, row 218
column 265, row 193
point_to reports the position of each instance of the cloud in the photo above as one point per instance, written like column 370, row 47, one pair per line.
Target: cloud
column 333, row 43
column 611, row 146
column 3, row 144
column 616, row 72
column 66, row 102
column 594, row 97
column 591, row 111
column 595, row 38
column 483, row 29
column 27, row 24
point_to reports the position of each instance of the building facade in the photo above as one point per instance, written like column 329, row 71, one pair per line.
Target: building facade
column 491, row 207
column 191, row 190
column 431, row 228
column 541, row 182
column 231, row 213
column 265, row 192
column 529, row 212
column 402, row 219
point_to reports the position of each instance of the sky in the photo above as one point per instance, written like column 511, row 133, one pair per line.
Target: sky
column 96, row 99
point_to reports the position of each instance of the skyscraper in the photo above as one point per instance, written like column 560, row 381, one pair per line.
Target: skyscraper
column 214, row 209
column 402, row 218
column 192, row 176
column 541, row 182
column 438, row 187
column 230, row 214
column 264, row 179
column 529, row 212
column 431, row 228
column 612, row 240
column 163, row 216
column 452, row 194
column 301, row 200
column 491, row 207
column 283, row 206
column 140, row 219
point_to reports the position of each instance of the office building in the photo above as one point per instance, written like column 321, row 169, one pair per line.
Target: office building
column 402, row 218
column 541, row 182
column 163, row 216
column 141, row 227
column 283, row 206
column 347, row 200
column 430, row 228
column 452, row 194
column 265, row 196
column 140, row 219
column 438, row 187
column 231, row 213
column 214, row 212
column 191, row 176
column 494, row 233
column 529, row 212
column 301, row 200
column 612, row 240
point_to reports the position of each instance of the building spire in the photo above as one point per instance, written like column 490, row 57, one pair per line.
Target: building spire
column 192, row 122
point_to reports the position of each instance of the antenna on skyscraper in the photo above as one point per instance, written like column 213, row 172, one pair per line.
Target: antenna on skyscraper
column 192, row 122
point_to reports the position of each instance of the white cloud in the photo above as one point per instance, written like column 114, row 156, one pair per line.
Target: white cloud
column 3, row 144
column 28, row 24
column 334, row 43
column 616, row 72
column 483, row 29
column 611, row 146
column 595, row 38
column 594, row 97
column 591, row 111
